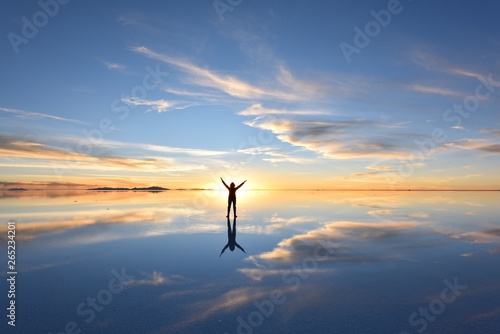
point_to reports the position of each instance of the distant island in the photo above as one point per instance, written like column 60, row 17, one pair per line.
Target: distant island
column 155, row 188
column 18, row 189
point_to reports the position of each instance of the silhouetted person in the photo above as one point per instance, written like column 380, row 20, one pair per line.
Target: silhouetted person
column 232, row 196
column 231, row 238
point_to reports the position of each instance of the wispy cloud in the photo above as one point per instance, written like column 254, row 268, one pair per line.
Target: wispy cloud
column 380, row 212
column 491, row 132
column 113, row 66
column 258, row 110
column 380, row 168
column 434, row 90
column 256, row 48
column 473, row 74
column 438, row 64
column 154, row 105
column 141, row 22
column 365, row 174
column 490, row 146
column 331, row 139
column 275, row 155
column 226, row 83
column 50, row 156
column 422, row 215
column 102, row 144
column 308, row 88
column 164, row 149
column 427, row 61
column 35, row 115
column 493, row 148
column 182, row 92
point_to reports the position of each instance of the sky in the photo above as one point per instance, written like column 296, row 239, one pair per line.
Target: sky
column 287, row 94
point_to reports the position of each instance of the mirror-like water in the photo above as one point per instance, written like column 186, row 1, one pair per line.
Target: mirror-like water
column 295, row 262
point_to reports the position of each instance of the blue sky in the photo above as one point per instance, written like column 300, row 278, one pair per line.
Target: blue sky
column 177, row 93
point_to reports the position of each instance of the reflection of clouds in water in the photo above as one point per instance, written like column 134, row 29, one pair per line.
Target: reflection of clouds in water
column 468, row 254
column 387, row 207
column 361, row 242
column 293, row 220
column 350, row 240
column 368, row 200
column 157, row 278
column 27, row 268
column 485, row 236
column 257, row 274
column 339, row 241
column 179, row 227
column 342, row 241
column 280, row 223
column 486, row 315
column 227, row 302
column 405, row 201
column 104, row 225
column 101, row 225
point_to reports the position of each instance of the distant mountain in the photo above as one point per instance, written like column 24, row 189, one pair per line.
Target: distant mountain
column 154, row 188
column 18, row 189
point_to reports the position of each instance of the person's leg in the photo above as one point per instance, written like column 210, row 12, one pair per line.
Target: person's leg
column 228, row 206
column 234, row 208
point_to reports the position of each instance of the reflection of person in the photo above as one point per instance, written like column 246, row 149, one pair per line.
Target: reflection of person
column 231, row 238
column 232, row 196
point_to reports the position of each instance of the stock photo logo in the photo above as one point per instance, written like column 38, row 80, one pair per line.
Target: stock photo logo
column 425, row 316
column 372, row 29
column 223, row 6
column 89, row 309
column 31, row 26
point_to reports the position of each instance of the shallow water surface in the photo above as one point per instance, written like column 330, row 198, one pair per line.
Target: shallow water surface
column 309, row 262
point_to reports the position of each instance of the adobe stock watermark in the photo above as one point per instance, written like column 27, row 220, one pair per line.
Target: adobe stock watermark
column 30, row 28
column 87, row 309
column 373, row 28
column 222, row 6
column 293, row 278
column 94, row 137
column 404, row 168
column 420, row 320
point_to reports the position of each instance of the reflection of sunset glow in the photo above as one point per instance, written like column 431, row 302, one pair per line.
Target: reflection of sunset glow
column 243, row 196
column 154, row 214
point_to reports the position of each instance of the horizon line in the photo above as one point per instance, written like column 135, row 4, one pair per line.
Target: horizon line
column 253, row 189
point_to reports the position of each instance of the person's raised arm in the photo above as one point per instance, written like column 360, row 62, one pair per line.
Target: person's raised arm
column 240, row 248
column 223, row 250
column 242, row 183
column 227, row 187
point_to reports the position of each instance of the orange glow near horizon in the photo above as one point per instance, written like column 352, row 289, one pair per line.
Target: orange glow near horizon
column 252, row 184
column 273, row 178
